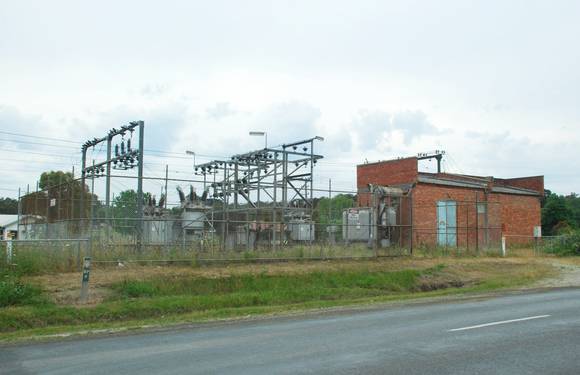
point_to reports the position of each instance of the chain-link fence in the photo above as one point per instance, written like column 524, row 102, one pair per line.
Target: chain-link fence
column 565, row 244
column 333, row 227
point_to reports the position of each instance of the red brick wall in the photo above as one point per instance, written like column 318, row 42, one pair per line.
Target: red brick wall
column 507, row 214
column 425, row 197
column 535, row 183
column 391, row 172
column 519, row 214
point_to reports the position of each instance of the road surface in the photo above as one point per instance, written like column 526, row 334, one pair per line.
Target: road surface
column 535, row 333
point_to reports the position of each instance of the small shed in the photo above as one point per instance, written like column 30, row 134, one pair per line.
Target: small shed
column 8, row 227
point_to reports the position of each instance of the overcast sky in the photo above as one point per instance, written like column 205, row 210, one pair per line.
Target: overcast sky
column 494, row 83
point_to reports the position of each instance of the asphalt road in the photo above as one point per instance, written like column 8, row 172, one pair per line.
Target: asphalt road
column 536, row 333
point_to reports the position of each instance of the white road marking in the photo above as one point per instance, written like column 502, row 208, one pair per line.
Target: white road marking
column 497, row 323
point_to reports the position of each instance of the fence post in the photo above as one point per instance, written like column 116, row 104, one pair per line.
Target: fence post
column 85, row 279
column 9, row 252
column 503, row 246
column 79, row 255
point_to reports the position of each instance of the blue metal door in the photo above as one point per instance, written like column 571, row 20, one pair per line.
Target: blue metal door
column 446, row 223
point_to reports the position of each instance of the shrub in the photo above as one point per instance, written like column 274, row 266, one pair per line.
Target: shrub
column 568, row 245
column 137, row 288
column 13, row 292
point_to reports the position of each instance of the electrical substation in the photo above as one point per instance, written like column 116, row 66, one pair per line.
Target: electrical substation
column 266, row 200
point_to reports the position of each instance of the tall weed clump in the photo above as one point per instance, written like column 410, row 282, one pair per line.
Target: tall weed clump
column 14, row 292
column 567, row 245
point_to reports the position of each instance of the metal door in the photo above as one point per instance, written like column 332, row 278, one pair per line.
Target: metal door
column 446, row 223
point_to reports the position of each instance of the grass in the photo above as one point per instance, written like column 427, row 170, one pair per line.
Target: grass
column 166, row 295
column 144, row 299
column 566, row 245
column 263, row 289
column 13, row 292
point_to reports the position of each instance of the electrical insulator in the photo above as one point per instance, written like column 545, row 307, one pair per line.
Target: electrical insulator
column 117, row 150
column 123, row 147
column 128, row 145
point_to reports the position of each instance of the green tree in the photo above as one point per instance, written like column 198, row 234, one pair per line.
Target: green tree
column 573, row 203
column 329, row 211
column 556, row 215
column 8, row 206
column 124, row 211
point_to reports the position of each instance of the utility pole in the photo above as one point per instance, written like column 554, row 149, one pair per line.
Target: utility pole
column 92, row 213
column 72, row 195
column 108, row 189
column 141, row 125
column 58, row 206
column 166, row 178
column 123, row 159
column 82, row 193
column 19, row 216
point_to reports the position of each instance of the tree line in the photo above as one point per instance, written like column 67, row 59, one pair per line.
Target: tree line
column 560, row 213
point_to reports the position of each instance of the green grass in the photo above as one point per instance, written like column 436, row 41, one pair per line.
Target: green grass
column 13, row 292
column 158, row 297
column 163, row 300
column 323, row 284
column 567, row 245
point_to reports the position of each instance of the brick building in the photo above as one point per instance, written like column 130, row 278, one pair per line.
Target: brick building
column 456, row 210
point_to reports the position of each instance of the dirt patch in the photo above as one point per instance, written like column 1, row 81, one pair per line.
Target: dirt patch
column 568, row 274
column 431, row 283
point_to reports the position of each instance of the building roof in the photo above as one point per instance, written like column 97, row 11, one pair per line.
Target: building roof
column 472, row 182
column 6, row 220
column 513, row 190
column 451, row 182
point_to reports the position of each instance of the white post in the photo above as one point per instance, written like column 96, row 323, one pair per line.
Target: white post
column 503, row 251
column 9, row 251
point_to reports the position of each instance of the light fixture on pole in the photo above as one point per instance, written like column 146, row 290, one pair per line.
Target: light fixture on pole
column 259, row 134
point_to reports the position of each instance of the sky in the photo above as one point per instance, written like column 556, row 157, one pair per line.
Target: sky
column 496, row 84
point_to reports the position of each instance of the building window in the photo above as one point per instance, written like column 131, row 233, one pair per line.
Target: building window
column 481, row 208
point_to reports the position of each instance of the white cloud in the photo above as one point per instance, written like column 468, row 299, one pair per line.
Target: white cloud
column 207, row 73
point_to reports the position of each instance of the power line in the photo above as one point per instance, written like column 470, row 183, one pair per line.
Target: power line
column 36, row 153
column 37, row 143
column 39, row 137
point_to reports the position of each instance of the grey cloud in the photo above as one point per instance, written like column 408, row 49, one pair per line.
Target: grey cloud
column 506, row 154
column 220, row 110
column 371, row 127
column 288, row 121
column 162, row 123
column 12, row 120
column 154, row 90
column 413, row 124
column 225, row 130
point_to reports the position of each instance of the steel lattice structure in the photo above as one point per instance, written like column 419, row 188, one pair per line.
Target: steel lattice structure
column 277, row 180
